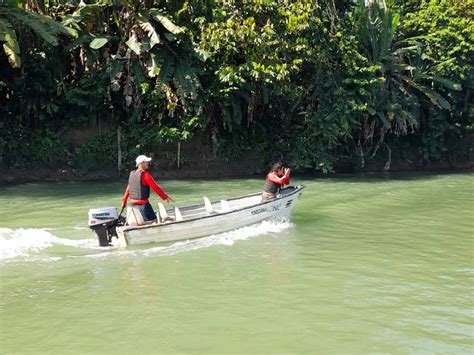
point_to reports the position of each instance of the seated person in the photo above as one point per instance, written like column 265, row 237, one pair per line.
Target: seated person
column 276, row 178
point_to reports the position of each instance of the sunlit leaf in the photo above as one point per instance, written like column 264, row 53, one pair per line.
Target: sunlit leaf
column 98, row 42
column 166, row 22
column 134, row 45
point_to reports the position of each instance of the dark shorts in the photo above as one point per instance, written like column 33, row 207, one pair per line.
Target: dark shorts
column 147, row 212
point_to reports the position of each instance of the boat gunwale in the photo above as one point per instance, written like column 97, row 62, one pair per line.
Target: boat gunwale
column 296, row 189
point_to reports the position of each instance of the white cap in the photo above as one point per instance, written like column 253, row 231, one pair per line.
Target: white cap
column 141, row 159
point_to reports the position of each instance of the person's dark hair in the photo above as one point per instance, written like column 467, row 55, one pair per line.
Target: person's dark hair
column 277, row 166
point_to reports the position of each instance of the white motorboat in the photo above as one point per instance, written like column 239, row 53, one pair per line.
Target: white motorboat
column 191, row 221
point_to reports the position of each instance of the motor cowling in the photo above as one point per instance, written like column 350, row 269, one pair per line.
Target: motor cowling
column 102, row 215
column 104, row 221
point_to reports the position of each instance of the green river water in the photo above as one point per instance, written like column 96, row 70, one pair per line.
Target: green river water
column 366, row 265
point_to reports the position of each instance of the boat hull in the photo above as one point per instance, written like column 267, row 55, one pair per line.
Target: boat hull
column 211, row 224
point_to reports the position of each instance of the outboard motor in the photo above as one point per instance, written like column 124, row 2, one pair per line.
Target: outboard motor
column 104, row 221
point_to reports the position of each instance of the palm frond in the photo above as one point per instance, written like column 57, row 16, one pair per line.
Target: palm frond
column 388, row 28
column 147, row 26
column 186, row 80
column 447, row 83
column 53, row 26
column 166, row 22
column 435, row 98
column 167, row 68
column 10, row 45
column 42, row 25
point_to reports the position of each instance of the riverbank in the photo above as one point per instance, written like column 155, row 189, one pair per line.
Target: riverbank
column 216, row 170
column 20, row 176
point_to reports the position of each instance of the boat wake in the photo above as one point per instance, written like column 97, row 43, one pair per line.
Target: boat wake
column 228, row 238
column 26, row 242
column 33, row 244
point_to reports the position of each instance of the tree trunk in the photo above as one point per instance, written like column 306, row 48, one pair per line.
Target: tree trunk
column 179, row 154
column 389, row 160
column 119, row 150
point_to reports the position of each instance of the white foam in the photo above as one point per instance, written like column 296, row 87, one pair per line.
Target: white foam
column 28, row 242
column 228, row 238
column 25, row 242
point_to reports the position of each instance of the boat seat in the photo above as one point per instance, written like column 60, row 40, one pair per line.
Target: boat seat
column 177, row 214
column 208, row 205
column 163, row 215
column 134, row 217
column 225, row 207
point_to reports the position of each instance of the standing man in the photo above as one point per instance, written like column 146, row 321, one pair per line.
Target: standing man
column 276, row 178
column 138, row 189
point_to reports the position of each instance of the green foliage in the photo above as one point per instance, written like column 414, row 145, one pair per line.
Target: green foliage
column 13, row 16
column 446, row 30
column 37, row 149
column 172, row 159
column 99, row 153
column 322, row 85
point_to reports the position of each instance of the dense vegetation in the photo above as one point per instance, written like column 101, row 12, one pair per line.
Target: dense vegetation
column 323, row 84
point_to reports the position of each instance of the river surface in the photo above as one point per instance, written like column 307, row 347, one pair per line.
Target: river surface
column 366, row 265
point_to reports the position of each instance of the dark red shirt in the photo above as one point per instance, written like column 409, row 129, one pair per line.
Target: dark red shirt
column 146, row 179
column 273, row 177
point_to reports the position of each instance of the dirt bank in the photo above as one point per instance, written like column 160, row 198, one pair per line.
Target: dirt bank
column 213, row 170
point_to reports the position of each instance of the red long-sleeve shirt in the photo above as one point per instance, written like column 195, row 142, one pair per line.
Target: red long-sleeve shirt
column 273, row 177
column 146, row 179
